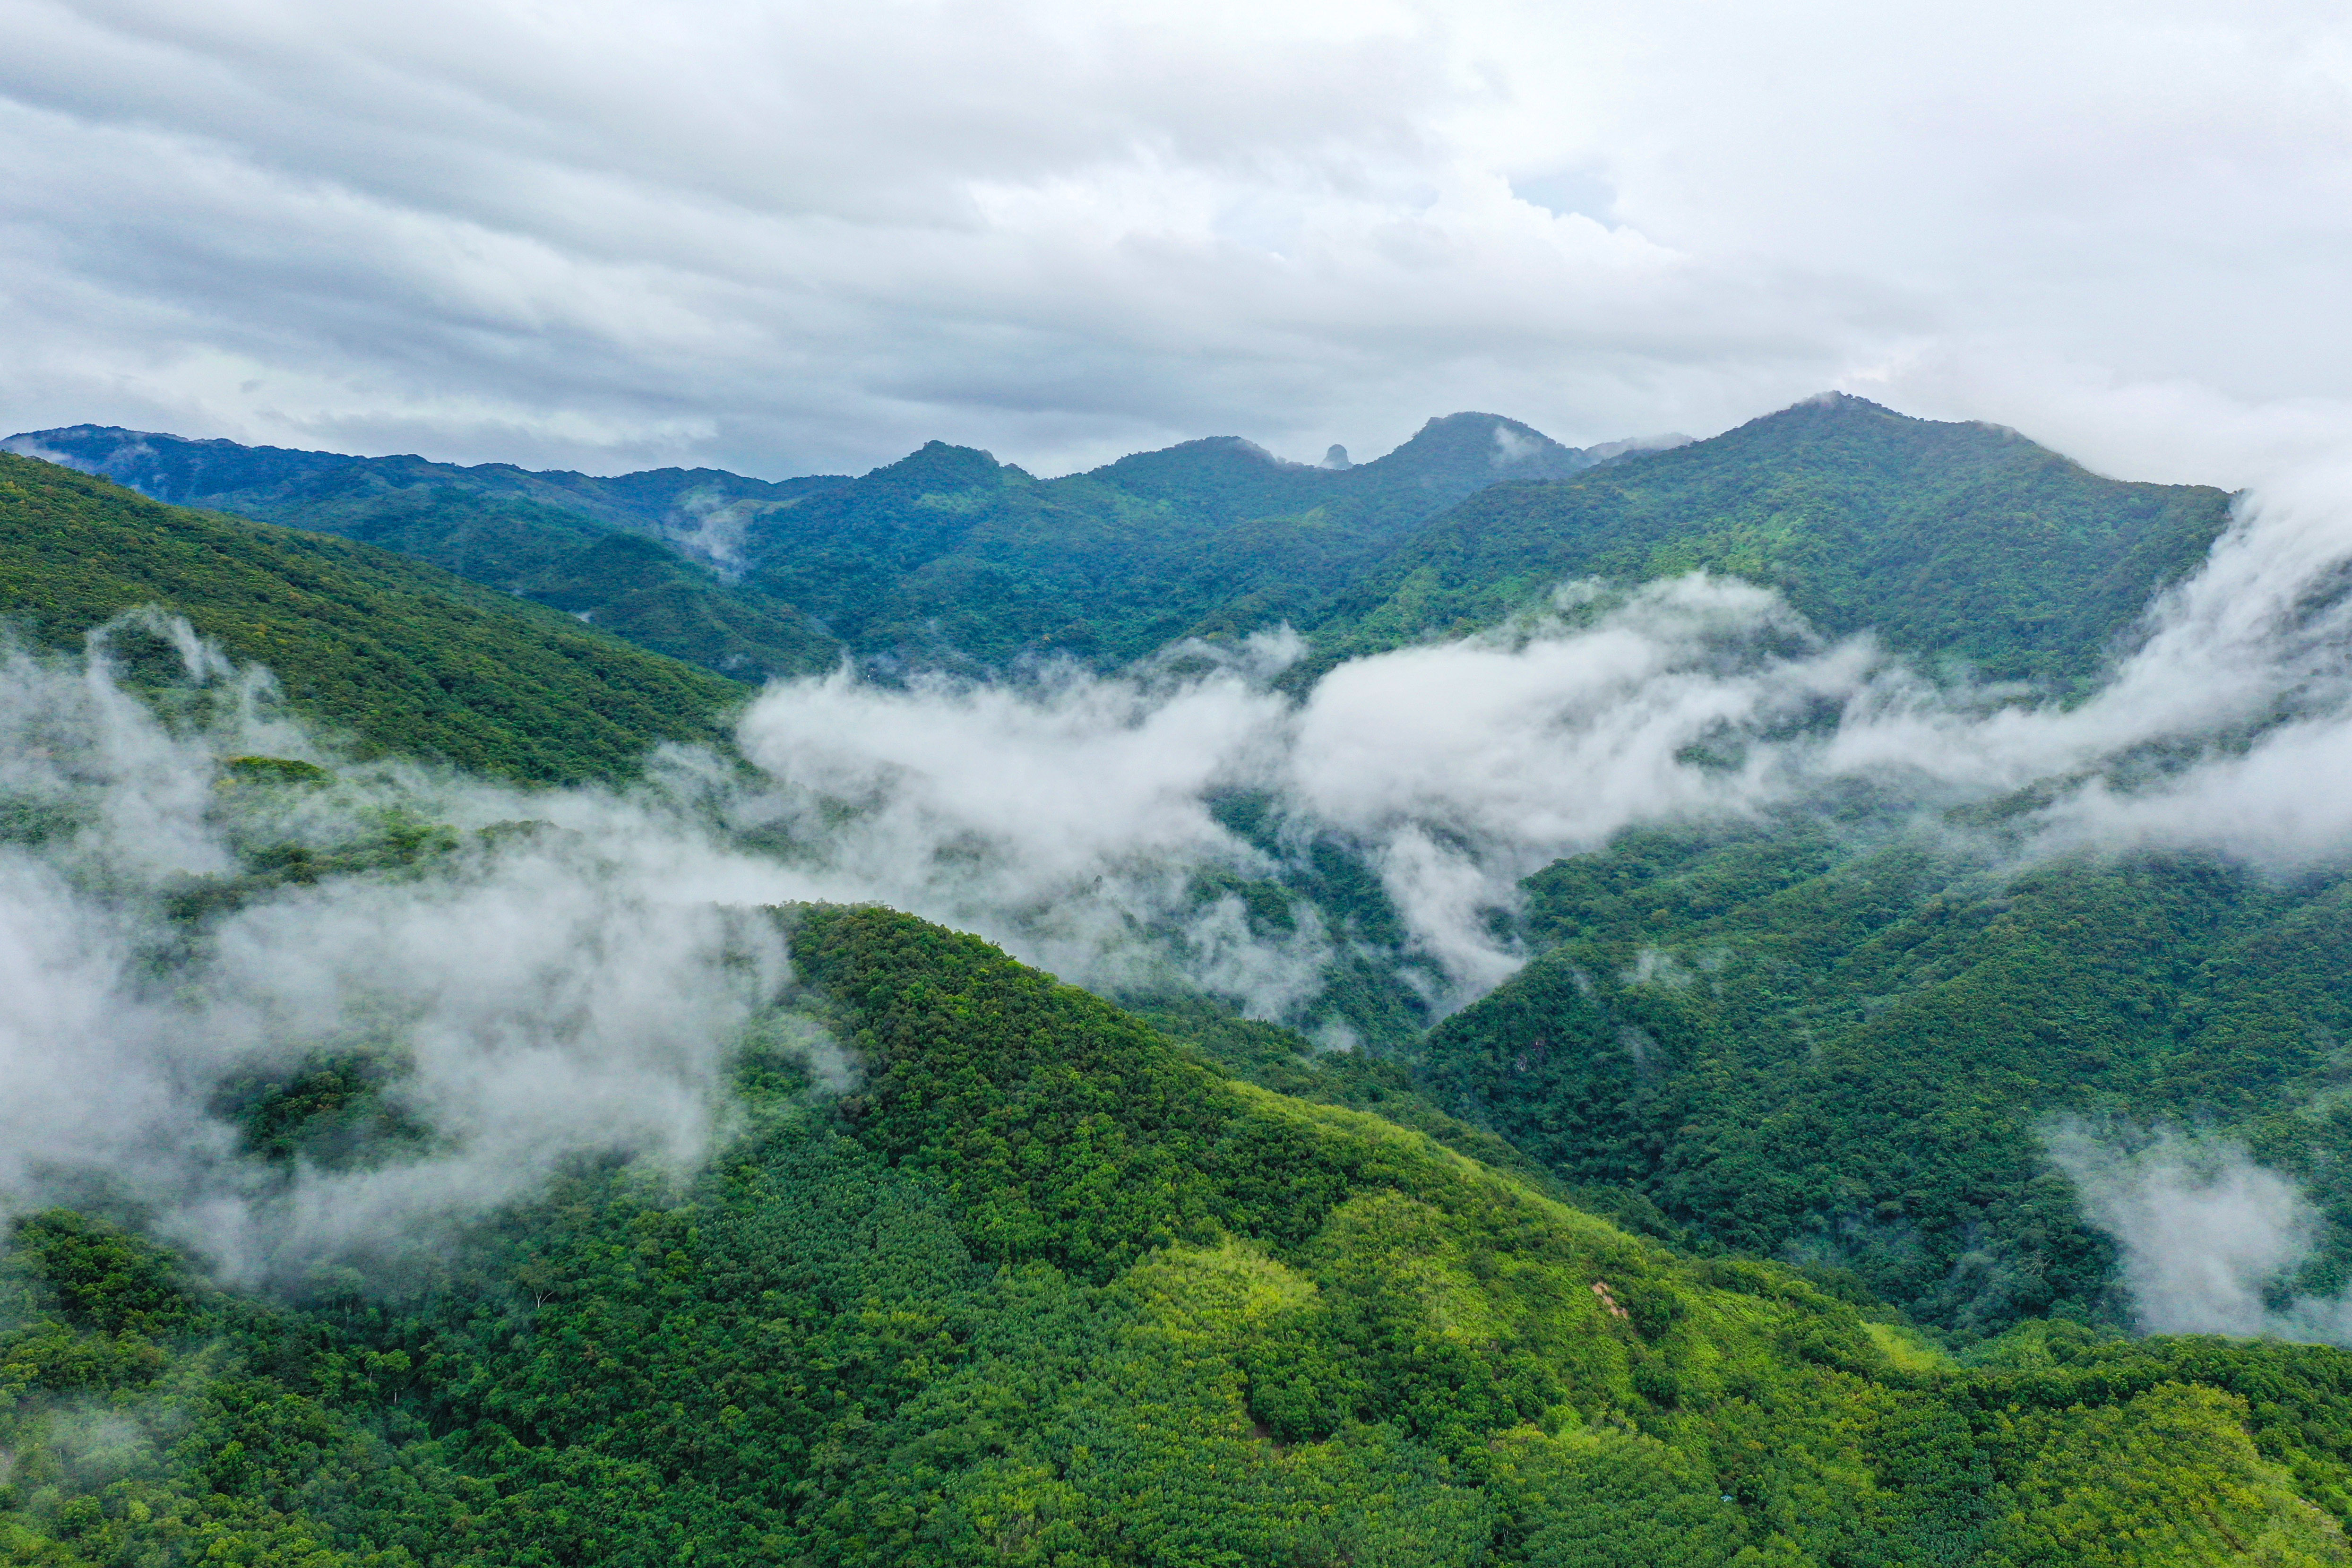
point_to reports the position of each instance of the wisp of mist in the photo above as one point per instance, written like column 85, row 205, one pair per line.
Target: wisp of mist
column 575, row 988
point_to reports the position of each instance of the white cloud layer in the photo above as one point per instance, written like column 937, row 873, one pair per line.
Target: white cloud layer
column 788, row 238
column 576, row 988
column 543, row 994
column 1058, row 817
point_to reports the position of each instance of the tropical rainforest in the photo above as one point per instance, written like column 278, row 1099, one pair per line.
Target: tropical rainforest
column 1733, row 1222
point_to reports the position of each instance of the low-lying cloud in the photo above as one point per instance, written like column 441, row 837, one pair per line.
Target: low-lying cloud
column 528, row 995
column 1055, row 815
column 2210, row 1239
column 574, row 986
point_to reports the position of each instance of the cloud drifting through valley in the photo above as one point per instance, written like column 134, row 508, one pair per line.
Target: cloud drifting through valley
column 1056, row 815
column 576, row 987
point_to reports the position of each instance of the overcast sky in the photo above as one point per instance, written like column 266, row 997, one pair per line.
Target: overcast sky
column 786, row 238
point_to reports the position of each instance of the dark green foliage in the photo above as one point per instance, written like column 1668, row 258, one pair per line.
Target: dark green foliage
column 619, row 581
column 408, row 657
column 331, row 1109
column 103, row 1278
column 944, row 557
column 948, row 557
column 253, row 480
column 274, row 770
column 1847, row 1054
column 1954, row 542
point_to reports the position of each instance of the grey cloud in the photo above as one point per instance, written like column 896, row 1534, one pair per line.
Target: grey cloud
column 795, row 239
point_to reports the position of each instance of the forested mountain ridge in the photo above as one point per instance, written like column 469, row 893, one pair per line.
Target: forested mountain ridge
column 949, row 557
column 1804, row 1046
column 275, row 482
column 1046, row 1290
column 1957, row 543
column 1966, row 546
column 647, row 556
column 407, row 658
column 945, row 557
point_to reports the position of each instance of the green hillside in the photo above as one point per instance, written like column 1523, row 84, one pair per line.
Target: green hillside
column 1955, row 543
column 1048, row 1290
column 948, row 556
column 408, row 659
column 623, row 582
column 631, row 554
column 1800, row 1046
column 267, row 482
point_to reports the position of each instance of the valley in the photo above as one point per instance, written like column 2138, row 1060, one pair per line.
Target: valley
column 1778, row 999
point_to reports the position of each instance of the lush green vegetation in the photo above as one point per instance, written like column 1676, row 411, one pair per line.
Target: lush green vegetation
column 1960, row 543
column 601, row 548
column 266, row 481
column 1062, row 1284
column 406, row 657
column 1804, row 1043
column 615, row 579
column 1957, row 542
column 947, row 557
column 1048, row 1289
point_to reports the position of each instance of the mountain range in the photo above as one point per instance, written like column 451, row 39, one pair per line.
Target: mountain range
column 1745, row 1219
column 1958, row 541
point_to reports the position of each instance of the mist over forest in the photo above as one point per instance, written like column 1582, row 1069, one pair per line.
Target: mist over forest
column 1136, row 786
column 1636, row 838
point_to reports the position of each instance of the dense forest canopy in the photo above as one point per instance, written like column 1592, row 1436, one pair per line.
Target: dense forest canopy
column 1954, row 542
column 410, row 659
column 1776, row 967
column 1046, row 1288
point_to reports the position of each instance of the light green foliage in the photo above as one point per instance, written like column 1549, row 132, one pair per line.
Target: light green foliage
column 1049, row 1290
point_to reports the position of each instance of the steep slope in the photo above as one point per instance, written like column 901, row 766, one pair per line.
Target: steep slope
column 1796, row 1045
column 1046, row 1290
column 627, row 582
column 407, row 657
column 643, row 555
column 1955, row 543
